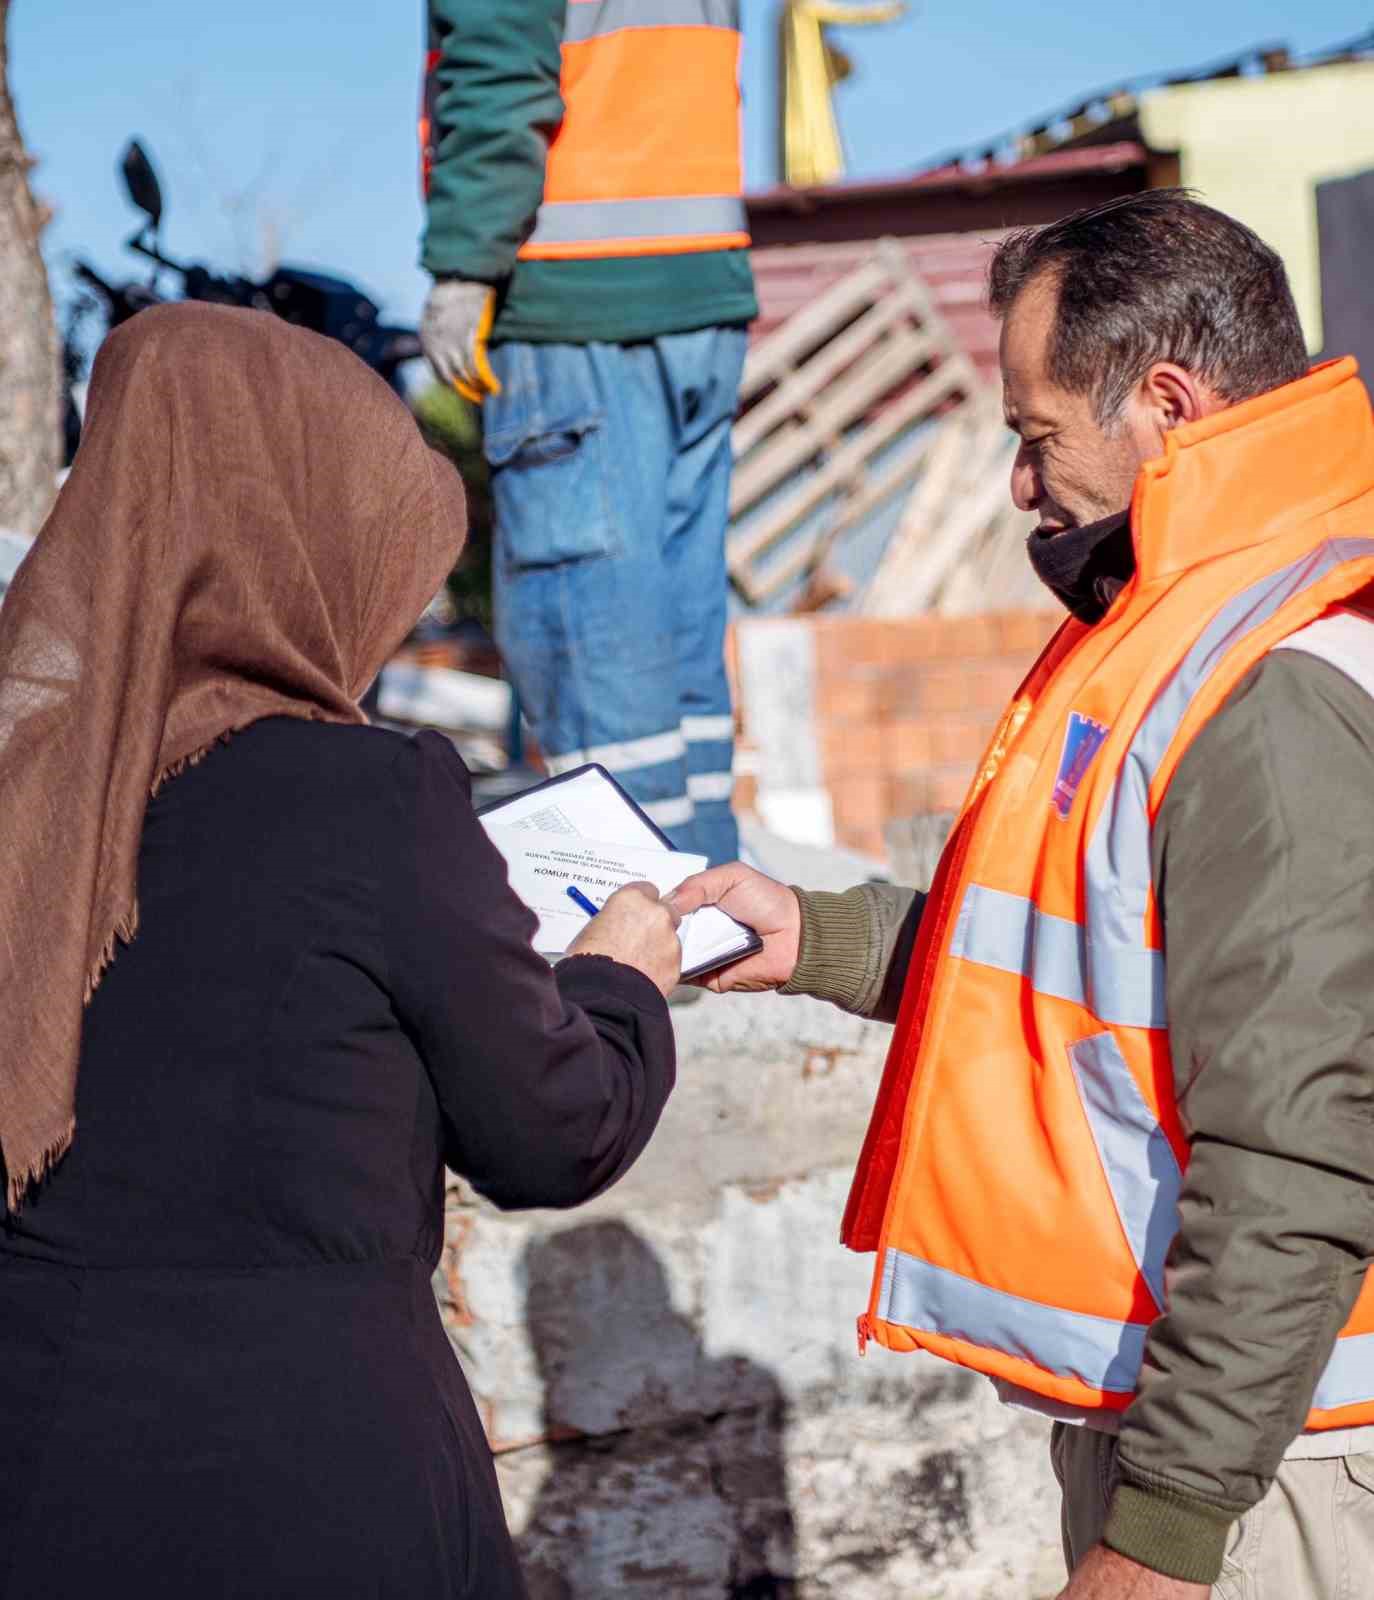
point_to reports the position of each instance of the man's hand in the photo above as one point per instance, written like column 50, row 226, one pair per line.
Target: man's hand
column 768, row 907
column 454, row 331
column 1104, row 1575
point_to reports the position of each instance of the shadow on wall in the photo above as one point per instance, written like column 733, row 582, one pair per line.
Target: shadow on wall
column 672, row 1481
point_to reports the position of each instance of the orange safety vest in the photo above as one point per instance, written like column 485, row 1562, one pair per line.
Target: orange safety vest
column 647, row 159
column 1021, row 1173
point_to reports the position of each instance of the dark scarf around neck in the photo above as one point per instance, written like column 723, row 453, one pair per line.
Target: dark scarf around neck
column 1085, row 568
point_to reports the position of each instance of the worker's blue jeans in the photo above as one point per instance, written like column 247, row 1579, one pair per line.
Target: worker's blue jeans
column 610, row 475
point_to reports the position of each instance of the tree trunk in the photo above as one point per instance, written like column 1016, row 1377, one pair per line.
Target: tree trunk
column 29, row 385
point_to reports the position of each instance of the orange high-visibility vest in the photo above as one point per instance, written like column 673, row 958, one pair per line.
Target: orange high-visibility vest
column 1022, row 1169
column 647, row 159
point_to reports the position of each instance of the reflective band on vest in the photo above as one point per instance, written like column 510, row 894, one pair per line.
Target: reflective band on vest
column 1342, row 641
column 1094, row 1351
column 1124, row 985
column 594, row 19
column 1142, row 1170
column 640, row 226
column 647, row 159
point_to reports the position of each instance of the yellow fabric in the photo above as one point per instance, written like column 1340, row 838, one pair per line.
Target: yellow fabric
column 811, row 151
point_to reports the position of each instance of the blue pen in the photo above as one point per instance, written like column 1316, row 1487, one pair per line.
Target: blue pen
column 580, row 899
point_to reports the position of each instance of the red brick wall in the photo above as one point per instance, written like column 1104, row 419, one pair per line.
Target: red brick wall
column 905, row 709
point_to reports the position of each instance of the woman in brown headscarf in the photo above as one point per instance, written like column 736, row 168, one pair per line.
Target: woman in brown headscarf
column 261, row 977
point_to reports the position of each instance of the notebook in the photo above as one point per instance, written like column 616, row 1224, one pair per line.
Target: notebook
column 582, row 830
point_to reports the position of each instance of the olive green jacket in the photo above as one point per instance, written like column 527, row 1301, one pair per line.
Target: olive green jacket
column 1263, row 862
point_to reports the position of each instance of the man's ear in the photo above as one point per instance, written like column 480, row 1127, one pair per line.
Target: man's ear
column 1173, row 396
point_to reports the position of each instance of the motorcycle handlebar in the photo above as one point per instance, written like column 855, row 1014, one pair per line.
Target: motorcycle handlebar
column 140, row 246
column 199, row 283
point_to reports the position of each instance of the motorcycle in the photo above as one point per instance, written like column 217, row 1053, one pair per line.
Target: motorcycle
column 315, row 300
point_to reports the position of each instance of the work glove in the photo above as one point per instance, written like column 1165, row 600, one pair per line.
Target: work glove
column 454, row 331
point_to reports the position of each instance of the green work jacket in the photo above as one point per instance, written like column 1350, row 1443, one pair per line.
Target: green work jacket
column 495, row 106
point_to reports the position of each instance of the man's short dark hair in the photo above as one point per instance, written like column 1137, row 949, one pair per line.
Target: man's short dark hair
column 1156, row 277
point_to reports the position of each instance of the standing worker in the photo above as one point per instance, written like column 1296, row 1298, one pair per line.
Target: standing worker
column 588, row 242
column 1122, row 1160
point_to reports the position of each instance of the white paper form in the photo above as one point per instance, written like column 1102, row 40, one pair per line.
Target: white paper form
column 590, row 808
column 585, row 805
column 543, row 865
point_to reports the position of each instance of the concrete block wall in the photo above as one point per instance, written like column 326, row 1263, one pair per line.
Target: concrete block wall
column 901, row 710
column 669, row 1375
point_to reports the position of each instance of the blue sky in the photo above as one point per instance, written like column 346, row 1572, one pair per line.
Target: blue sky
column 294, row 119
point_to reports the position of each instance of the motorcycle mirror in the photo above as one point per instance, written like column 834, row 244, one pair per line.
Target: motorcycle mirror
column 141, row 181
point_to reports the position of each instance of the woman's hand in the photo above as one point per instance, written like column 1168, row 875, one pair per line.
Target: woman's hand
column 639, row 929
column 768, row 907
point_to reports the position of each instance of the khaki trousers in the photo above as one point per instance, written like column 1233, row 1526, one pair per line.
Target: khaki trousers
column 1310, row 1538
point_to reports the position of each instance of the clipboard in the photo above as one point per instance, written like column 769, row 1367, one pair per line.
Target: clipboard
column 584, row 790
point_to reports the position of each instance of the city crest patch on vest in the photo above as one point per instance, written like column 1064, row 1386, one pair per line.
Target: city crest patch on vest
column 1082, row 740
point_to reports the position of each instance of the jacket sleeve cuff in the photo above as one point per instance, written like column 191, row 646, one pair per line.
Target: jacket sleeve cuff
column 838, row 956
column 478, row 267
column 1167, row 1533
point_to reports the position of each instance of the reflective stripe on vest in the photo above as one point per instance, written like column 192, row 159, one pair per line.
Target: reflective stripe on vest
column 1010, row 933
column 642, row 227
column 594, row 19
column 1096, row 1351
column 1341, row 640
column 647, row 159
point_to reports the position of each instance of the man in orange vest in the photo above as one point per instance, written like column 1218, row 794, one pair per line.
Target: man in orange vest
column 1122, row 1159
column 589, row 247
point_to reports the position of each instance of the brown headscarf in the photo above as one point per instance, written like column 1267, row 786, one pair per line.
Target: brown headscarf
column 252, row 524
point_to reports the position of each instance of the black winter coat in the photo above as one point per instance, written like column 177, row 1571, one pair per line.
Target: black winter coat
column 222, row 1370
